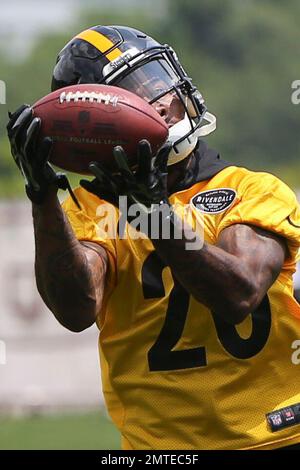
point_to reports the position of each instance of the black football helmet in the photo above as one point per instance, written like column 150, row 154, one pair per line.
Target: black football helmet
column 128, row 58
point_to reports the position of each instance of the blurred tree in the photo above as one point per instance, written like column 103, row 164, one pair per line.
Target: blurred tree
column 242, row 57
column 241, row 54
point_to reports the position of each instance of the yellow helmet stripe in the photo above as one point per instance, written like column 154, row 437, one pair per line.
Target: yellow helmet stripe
column 101, row 42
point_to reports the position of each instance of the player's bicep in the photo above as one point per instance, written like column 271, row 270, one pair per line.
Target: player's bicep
column 262, row 253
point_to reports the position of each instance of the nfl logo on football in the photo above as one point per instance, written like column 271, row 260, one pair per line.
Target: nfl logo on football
column 2, row 92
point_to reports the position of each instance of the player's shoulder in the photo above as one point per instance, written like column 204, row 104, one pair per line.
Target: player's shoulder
column 234, row 184
column 245, row 181
column 262, row 182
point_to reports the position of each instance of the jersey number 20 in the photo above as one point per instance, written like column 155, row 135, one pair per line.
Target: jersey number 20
column 161, row 355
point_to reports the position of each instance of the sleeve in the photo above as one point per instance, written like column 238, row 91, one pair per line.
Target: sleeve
column 266, row 202
column 96, row 222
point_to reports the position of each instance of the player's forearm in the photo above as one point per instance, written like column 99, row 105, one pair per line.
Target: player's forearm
column 212, row 276
column 63, row 275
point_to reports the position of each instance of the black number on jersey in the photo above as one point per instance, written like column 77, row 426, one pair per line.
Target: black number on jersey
column 245, row 348
column 161, row 355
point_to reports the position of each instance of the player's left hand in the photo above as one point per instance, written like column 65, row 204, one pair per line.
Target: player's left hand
column 147, row 185
column 32, row 156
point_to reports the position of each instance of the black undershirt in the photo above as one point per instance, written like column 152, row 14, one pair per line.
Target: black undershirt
column 204, row 164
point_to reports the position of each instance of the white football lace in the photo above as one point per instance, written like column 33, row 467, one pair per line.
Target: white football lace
column 90, row 96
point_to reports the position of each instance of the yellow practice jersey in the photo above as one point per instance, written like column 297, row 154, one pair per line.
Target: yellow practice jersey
column 174, row 375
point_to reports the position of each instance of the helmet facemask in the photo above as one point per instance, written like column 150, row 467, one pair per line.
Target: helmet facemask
column 154, row 73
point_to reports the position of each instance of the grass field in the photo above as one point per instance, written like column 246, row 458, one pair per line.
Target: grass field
column 88, row 431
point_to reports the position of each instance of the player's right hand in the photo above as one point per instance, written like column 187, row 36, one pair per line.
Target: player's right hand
column 147, row 185
column 31, row 156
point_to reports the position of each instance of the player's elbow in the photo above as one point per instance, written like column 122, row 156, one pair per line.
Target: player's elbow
column 232, row 313
column 75, row 314
column 75, row 320
column 77, row 327
column 235, row 308
column 239, row 312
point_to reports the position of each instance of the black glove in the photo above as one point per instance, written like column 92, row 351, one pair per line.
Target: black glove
column 31, row 156
column 145, row 186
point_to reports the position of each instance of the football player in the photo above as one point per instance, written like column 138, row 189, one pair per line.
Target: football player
column 195, row 344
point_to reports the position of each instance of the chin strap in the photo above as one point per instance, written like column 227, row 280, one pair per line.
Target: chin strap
column 183, row 149
column 207, row 128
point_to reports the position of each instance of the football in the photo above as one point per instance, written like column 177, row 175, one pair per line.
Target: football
column 86, row 122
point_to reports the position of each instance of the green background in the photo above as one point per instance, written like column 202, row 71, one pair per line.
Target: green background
column 66, row 432
column 243, row 56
